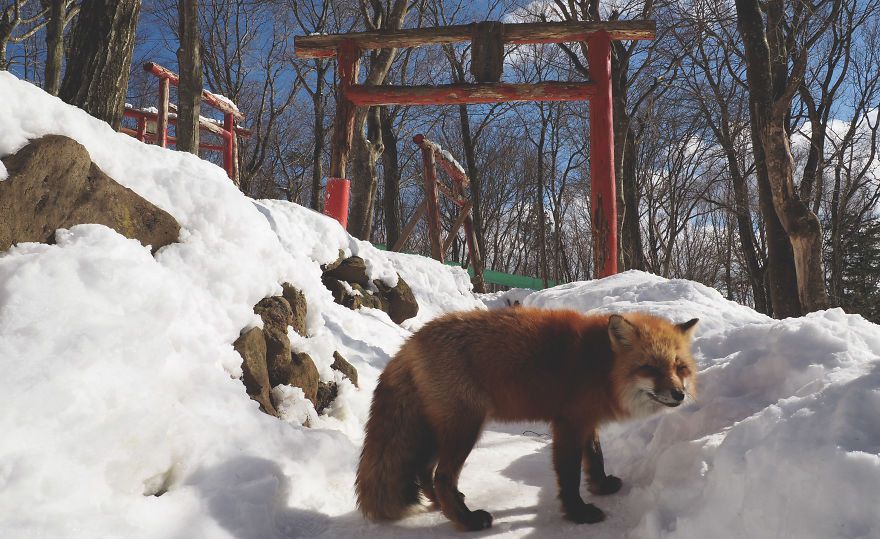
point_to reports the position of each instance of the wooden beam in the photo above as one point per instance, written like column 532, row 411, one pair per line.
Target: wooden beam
column 410, row 226
column 324, row 46
column 463, row 214
column 453, row 94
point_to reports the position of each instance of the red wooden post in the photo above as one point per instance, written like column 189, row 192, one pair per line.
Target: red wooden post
column 336, row 199
column 141, row 128
column 433, row 208
column 602, row 196
column 229, row 147
column 162, row 121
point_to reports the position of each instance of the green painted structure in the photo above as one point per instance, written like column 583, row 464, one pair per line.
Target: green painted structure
column 496, row 277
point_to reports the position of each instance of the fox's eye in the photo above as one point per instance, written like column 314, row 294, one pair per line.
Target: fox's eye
column 648, row 370
column 682, row 370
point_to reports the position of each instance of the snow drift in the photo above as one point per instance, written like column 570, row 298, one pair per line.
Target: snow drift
column 122, row 413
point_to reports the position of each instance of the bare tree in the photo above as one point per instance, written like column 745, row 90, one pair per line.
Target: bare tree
column 785, row 38
column 189, row 92
column 367, row 146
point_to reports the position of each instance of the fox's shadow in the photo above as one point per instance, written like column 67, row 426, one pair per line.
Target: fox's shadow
column 248, row 497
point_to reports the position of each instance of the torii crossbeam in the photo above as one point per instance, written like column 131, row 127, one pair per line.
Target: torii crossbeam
column 488, row 39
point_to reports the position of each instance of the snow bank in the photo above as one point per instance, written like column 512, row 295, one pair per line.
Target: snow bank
column 122, row 414
column 120, row 380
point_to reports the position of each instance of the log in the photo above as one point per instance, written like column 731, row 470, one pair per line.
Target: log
column 452, row 94
column 410, row 226
column 325, row 46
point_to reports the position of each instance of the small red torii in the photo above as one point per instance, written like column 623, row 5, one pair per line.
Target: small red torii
column 228, row 131
column 488, row 39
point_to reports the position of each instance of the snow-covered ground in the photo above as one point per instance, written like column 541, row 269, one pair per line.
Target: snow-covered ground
column 119, row 381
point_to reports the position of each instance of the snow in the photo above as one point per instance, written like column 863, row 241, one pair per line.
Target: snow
column 120, row 383
column 226, row 101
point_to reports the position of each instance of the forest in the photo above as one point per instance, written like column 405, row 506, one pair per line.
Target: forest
column 746, row 133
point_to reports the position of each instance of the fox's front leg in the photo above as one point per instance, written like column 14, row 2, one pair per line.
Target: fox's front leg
column 568, row 448
column 594, row 467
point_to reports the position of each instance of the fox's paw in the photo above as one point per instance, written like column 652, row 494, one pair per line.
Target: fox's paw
column 585, row 513
column 477, row 520
column 609, row 485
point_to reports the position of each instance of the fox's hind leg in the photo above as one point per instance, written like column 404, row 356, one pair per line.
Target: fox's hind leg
column 594, row 467
column 454, row 445
column 426, row 482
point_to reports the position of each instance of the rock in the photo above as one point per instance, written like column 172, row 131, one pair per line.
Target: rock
column 298, row 307
column 347, row 369
column 333, row 265
column 276, row 315
column 327, row 392
column 275, row 311
column 402, row 304
column 54, row 184
column 365, row 298
column 351, row 270
column 304, row 374
column 252, row 348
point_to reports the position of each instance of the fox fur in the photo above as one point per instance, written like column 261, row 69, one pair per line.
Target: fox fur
column 516, row 364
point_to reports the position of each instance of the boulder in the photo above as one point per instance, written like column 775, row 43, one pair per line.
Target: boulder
column 327, row 392
column 276, row 315
column 298, row 306
column 54, row 184
column 252, row 347
column 347, row 369
column 304, row 374
column 351, row 270
column 333, row 265
column 402, row 304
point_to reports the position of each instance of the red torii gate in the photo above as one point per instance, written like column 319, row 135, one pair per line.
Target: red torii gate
column 488, row 39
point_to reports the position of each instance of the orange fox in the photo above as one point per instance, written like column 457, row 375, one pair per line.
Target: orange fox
column 575, row 371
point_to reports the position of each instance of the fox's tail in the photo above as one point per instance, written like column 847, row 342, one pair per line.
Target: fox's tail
column 398, row 447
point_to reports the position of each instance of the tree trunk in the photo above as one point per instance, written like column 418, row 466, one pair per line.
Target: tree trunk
column 54, row 45
column 366, row 150
column 631, row 234
column 189, row 92
column 780, row 267
column 101, row 44
column 391, row 172
column 770, row 100
column 318, row 151
column 470, row 158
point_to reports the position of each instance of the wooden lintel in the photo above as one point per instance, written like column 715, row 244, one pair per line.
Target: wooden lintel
column 453, row 94
column 324, row 46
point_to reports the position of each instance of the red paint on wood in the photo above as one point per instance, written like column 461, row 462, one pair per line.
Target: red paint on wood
column 336, row 199
column 162, row 120
column 451, row 94
column 431, row 204
column 602, row 196
column 229, row 148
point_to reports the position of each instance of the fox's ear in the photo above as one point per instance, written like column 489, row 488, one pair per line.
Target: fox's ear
column 688, row 327
column 621, row 331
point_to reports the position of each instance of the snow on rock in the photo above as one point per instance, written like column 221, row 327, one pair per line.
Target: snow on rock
column 123, row 416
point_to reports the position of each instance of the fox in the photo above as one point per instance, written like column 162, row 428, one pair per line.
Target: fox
column 573, row 370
